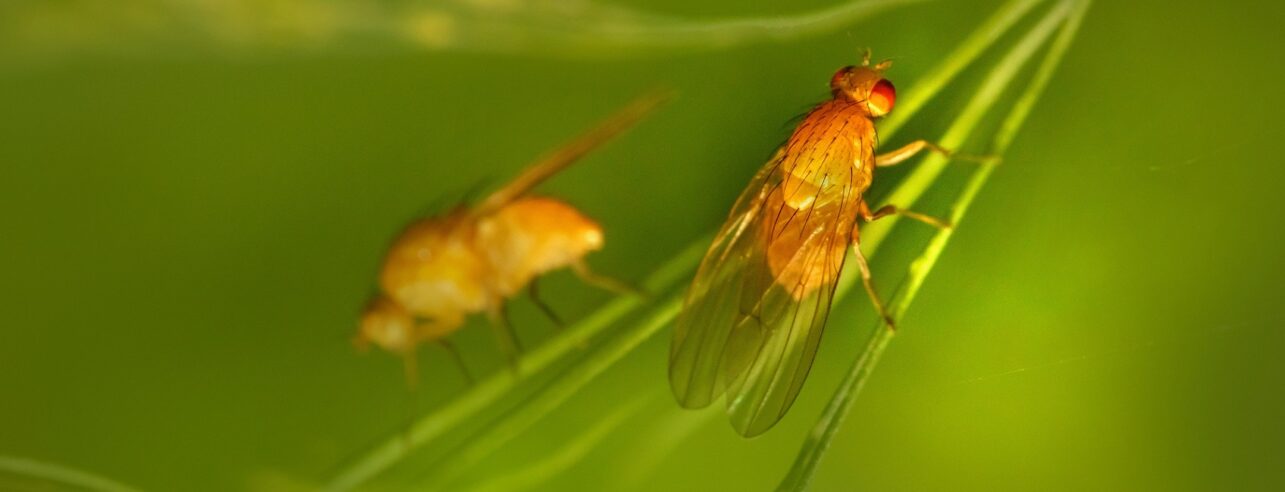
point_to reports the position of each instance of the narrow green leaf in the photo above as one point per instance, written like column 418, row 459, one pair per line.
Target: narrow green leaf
column 494, row 387
column 969, row 49
column 599, row 29
column 60, row 475
column 1068, row 15
column 552, row 395
column 596, row 28
column 920, row 267
column 566, row 456
column 523, row 416
column 488, row 391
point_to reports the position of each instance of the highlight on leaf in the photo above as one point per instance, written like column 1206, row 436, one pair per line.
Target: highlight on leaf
column 586, row 28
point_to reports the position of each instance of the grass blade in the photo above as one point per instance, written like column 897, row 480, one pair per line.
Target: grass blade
column 490, row 389
column 560, row 389
column 594, row 28
column 59, row 475
column 604, row 30
column 553, row 395
column 568, row 455
column 814, row 448
column 969, row 49
column 1008, row 130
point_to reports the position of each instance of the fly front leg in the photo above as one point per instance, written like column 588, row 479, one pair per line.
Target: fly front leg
column 887, row 210
column 909, row 150
column 410, row 366
column 435, row 330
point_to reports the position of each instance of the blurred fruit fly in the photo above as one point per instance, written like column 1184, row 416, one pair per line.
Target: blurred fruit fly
column 753, row 317
column 472, row 259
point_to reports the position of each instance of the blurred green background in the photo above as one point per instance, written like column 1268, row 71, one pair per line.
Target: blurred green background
column 187, row 235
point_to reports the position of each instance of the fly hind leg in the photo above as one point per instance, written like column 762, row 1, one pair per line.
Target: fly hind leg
column 604, row 282
column 867, row 280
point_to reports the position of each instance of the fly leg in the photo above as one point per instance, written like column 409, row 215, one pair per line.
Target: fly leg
column 604, row 282
column 410, row 365
column 504, row 333
column 868, row 281
column 424, row 330
column 455, row 356
column 866, row 278
column 534, row 292
column 887, row 210
column 897, row 156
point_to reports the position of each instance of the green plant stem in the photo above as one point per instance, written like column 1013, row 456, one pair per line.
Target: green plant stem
column 982, row 38
column 490, row 389
column 518, row 420
column 613, row 29
column 568, row 455
column 1068, row 14
column 595, row 28
column 552, row 395
column 486, row 392
column 969, row 49
column 923, row 264
column 60, row 475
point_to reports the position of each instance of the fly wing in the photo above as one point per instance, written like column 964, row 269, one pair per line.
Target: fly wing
column 732, row 268
column 554, row 162
column 784, row 333
column 753, row 318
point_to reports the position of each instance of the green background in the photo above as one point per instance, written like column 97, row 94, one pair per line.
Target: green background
column 186, row 240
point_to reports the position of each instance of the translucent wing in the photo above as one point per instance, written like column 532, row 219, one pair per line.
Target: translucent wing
column 786, row 331
column 713, row 304
column 553, row 162
column 753, row 318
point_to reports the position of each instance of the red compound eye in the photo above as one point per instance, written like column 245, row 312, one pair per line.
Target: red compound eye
column 882, row 97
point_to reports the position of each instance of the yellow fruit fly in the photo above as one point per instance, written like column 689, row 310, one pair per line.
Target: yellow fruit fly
column 753, row 317
column 471, row 260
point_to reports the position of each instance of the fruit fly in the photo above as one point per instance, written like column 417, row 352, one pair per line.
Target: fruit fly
column 753, row 317
column 472, row 260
